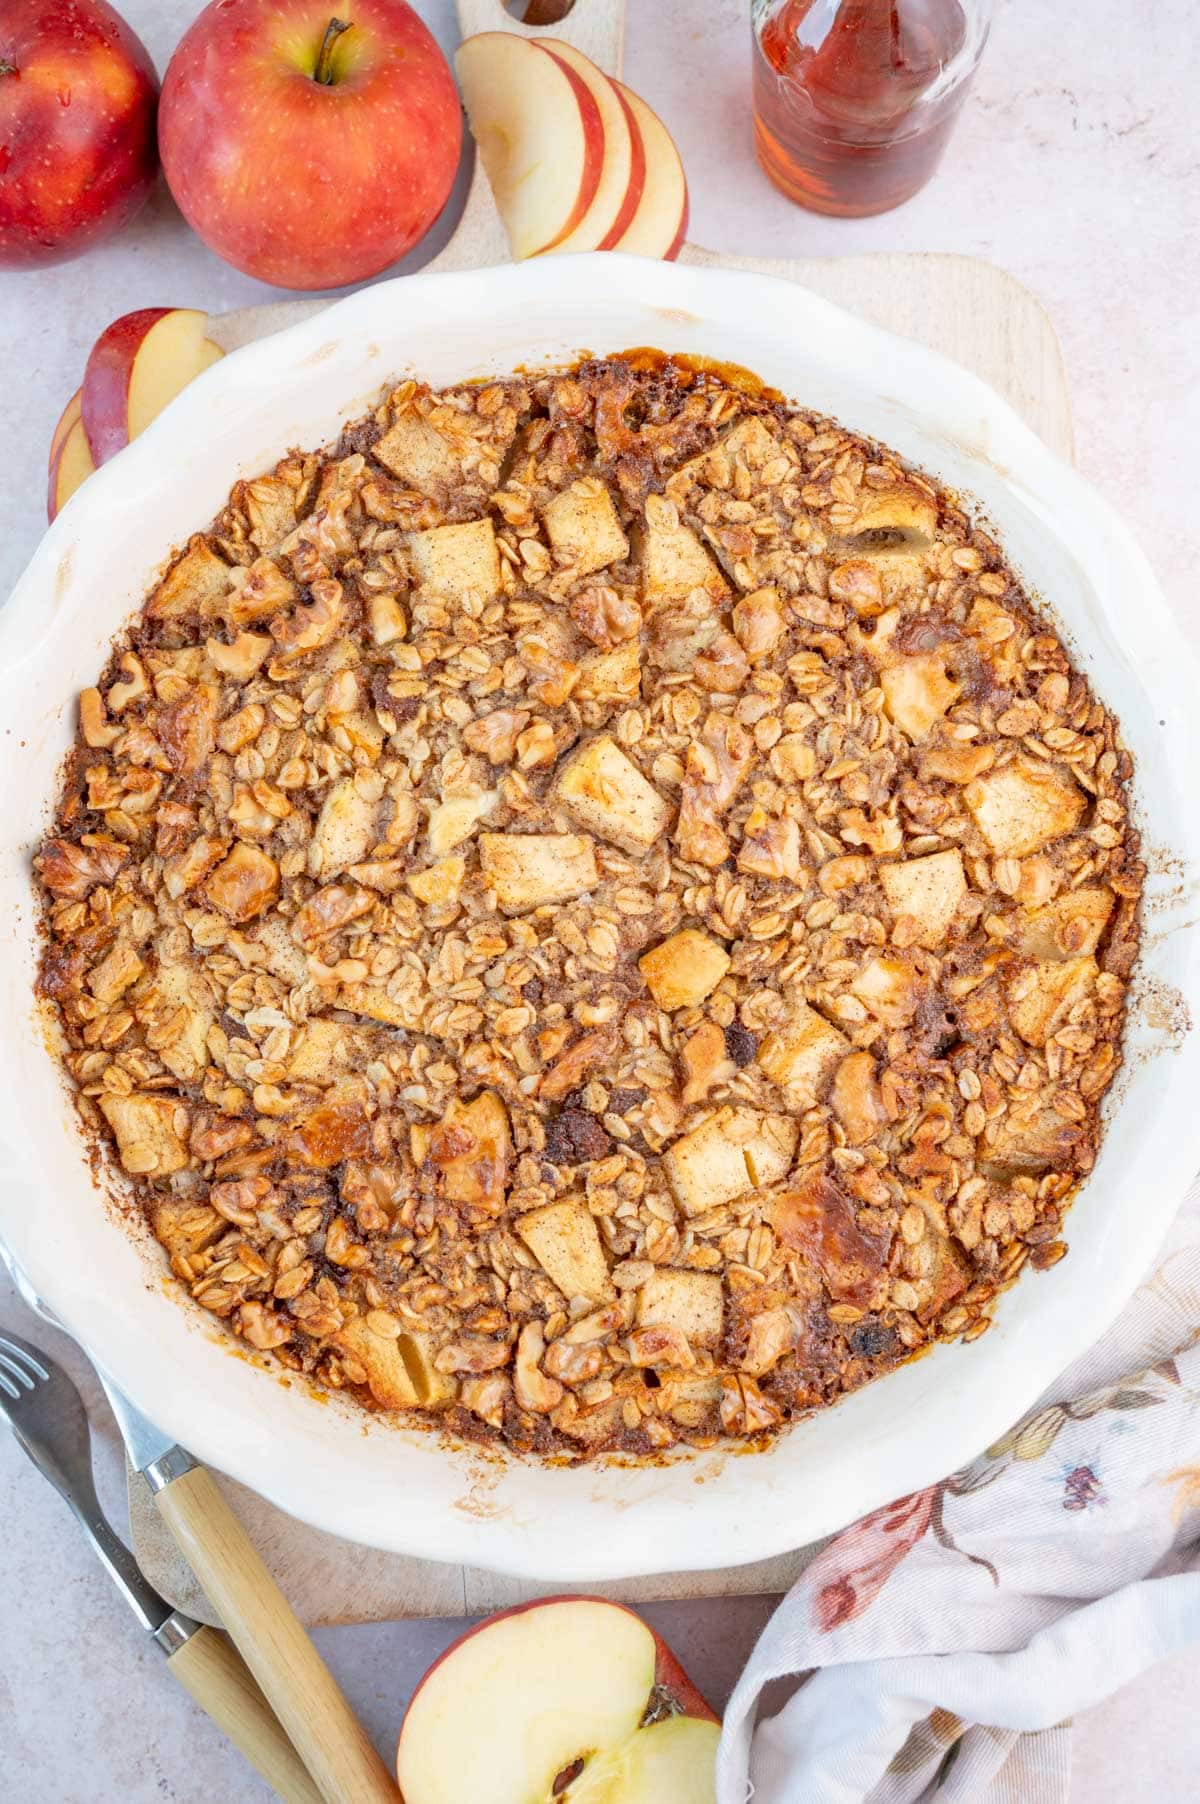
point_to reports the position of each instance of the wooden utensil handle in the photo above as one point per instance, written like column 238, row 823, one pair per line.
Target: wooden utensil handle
column 215, row 1676
column 295, row 1680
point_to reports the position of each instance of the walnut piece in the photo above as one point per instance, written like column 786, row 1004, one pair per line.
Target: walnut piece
column 585, row 1055
column 856, row 1100
column 758, row 623
column 705, row 1063
column 717, row 763
column 313, row 625
column 469, row 1151
column 818, row 1222
column 771, row 847
column 532, row 1389
column 605, row 616
column 244, row 883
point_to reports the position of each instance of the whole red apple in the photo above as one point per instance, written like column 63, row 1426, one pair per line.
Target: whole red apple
column 306, row 149
column 77, row 148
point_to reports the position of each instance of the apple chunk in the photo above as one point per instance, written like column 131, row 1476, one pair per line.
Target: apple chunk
column 917, row 693
column 681, row 971
column 135, row 367
column 928, row 890
column 611, row 676
column 539, row 133
column 583, row 528
column 565, row 1241
column 527, row 870
column 1021, row 807
column 606, row 793
column 1073, row 924
column 454, row 561
column 555, row 1694
column 804, row 1051
column 1040, row 995
column 733, row 1151
column 691, row 1302
column 67, row 467
column 659, row 224
column 672, row 560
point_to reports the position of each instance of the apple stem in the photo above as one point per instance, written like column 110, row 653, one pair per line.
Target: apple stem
column 333, row 31
column 7, row 68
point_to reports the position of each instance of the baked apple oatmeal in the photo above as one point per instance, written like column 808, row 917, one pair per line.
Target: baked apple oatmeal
column 595, row 910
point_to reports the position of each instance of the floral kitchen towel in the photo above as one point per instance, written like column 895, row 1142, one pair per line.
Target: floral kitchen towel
column 951, row 1635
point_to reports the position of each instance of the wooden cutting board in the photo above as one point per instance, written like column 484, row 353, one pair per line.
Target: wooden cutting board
column 982, row 318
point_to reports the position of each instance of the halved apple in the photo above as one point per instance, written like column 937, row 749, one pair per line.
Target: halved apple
column 136, row 366
column 539, row 132
column 623, row 174
column 659, row 225
column 571, row 1700
column 70, row 463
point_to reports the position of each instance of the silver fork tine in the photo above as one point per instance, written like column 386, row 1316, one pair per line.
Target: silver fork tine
column 10, row 1366
column 49, row 1419
column 24, row 1355
column 13, row 1356
column 21, row 1371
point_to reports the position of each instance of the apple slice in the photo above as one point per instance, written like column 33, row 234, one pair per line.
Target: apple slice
column 623, row 173
column 547, row 1704
column 659, row 225
column 136, row 366
column 66, row 420
column 540, row 135
column 70, row 464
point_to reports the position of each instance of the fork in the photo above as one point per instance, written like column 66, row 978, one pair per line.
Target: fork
column 42, row 1405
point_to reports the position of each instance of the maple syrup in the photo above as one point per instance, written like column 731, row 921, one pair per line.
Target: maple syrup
column 855, row 100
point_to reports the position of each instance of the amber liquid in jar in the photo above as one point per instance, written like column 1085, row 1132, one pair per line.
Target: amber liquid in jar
column 851, row 112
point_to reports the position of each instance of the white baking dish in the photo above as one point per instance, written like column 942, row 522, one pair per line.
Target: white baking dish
column 402, row 1488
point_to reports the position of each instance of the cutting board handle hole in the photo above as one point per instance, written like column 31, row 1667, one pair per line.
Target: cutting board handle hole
column 539, row 12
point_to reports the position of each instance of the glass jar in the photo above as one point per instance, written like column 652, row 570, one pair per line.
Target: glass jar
column 855, row 100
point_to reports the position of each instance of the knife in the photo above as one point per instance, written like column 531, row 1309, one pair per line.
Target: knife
column 49, row 1421
column 295, row 1680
